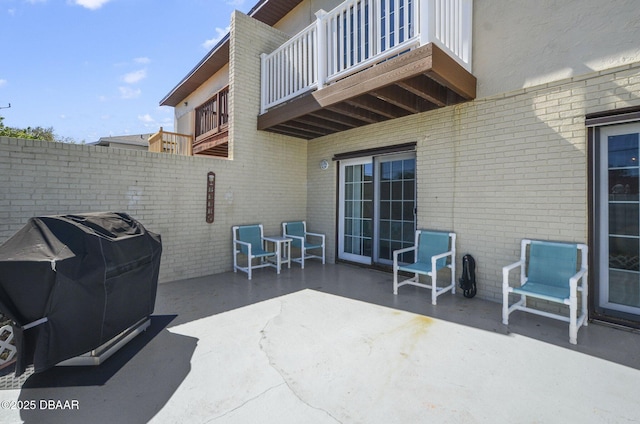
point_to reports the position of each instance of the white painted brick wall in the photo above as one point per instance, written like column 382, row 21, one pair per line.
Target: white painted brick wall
column 274, row 167
column 165, row 193
column 494, row 170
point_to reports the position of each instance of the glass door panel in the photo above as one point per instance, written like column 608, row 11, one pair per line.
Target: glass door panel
column 618, row 291
column 396, row 223
column 355, row 227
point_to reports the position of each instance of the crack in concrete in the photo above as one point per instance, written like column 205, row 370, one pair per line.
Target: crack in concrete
column 263, row 348
column 245, row 403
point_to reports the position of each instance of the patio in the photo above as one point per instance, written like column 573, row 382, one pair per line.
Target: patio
column 333, row 344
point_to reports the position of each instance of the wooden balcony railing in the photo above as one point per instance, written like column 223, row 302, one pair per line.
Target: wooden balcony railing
column 211, row 129
column 212, row 126
column 171, row 143
column 213, row 115
column 358, row 34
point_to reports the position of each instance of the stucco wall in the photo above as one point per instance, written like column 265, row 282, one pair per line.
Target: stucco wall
column 495, row 170
column 522, row 43
column 303, row 14
column 185, row 113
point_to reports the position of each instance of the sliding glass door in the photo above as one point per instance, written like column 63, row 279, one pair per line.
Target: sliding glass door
column 377, row 207
column 618, row 283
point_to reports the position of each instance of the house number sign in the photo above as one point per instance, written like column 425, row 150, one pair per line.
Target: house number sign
column 211, row 195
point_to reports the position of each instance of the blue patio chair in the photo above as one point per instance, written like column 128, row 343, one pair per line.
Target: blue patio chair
column 304, row 241
column 549, row 272
column 249, row 241
column 432, row 248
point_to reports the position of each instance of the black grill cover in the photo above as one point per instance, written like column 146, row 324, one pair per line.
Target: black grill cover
column 91, row 275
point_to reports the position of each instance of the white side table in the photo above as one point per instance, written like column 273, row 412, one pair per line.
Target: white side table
column 283, row 250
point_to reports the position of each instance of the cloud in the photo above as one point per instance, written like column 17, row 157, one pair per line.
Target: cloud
column 134, row 77
column 3, row 82
column 151, row 124
column 129, row 93
column 90, row 4
column 146, row 118
column 209, row 44
column 142, row 60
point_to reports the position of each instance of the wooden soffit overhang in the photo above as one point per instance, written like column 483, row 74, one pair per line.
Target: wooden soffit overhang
column 420, row 80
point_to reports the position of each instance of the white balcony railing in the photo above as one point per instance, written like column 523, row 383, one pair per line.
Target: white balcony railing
column 358, row 34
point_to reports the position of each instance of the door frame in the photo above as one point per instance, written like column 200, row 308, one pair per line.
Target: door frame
column 341, row 202
column 372, row 157
column 603, row 237
column 594, row 123
column 377, row 161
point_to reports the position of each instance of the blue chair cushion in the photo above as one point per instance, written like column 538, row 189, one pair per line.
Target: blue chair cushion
column 296, row 229
column 544, row 291
column 251, row 234
column 430, row 244
column 418, row 267
column 552, row 264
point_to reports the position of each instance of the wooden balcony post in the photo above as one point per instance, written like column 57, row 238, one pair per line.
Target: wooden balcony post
column 321, row 48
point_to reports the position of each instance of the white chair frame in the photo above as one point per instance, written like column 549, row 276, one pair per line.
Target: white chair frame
column 303, row 250
column 575, row 321
column 263, row 256
column 433, row 274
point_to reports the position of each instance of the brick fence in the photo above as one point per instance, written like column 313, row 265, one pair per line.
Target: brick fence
column 167, row 194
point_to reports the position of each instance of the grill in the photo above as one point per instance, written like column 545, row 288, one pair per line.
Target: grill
column 73, row 284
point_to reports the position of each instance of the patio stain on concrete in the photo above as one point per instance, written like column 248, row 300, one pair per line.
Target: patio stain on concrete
column 417, row 328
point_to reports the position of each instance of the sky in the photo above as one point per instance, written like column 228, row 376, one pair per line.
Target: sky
column 99, row 68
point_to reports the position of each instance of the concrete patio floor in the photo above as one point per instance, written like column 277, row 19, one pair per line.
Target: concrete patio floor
column 332, row 344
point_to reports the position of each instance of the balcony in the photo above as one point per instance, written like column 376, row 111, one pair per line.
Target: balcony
column 211, row 131
column 171, row 143
column 368, row 61
column 212, row 125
